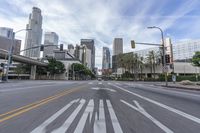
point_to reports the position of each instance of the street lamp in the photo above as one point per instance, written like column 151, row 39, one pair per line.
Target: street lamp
column 163, row 52
column 11, row 51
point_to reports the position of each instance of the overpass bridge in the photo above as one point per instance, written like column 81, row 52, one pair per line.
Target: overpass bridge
column 25, row 60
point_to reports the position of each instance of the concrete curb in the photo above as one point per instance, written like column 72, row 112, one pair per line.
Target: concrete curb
column 180, row 87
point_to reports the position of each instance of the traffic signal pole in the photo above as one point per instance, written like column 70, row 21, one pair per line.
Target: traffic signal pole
column 163, row 51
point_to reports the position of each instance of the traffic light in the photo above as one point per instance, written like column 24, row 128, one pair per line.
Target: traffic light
column 42, row 48
column 132, row 43
column 167, row 59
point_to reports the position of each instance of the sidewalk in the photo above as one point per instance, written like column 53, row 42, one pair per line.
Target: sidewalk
column 179, row 86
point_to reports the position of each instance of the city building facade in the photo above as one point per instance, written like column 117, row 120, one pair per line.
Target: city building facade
column 34, row 36
column 106, row 58
column 89, row 43
column 185, row 49
column 71, row 49
column 50, row 38
column 6, row 43
column 6, row 32
column 117, row 46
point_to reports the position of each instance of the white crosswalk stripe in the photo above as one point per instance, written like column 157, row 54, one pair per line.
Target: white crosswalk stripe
column 88, row 112
column 71, row 118
column 115, row 122
column 99, row 125
column 42, row 127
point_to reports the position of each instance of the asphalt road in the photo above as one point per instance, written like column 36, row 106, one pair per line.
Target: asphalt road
column 96, row 107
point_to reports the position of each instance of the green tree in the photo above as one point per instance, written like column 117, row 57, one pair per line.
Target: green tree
column 81, row 71
column 19, row 70
column 22, row 69
column 141, row 66
column 41, row 71
column 152, row 62
column 196, row 59
column 55, row 67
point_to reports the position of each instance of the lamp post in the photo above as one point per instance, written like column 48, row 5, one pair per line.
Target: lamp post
column 11, row 51
column 163, row 52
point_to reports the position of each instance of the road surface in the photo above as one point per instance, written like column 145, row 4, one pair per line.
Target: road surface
column 96, row 107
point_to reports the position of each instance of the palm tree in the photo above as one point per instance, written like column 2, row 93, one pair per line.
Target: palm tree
column 152, row 62
column 141, row 66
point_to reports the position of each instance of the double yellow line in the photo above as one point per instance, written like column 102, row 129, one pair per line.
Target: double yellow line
column 26, row 108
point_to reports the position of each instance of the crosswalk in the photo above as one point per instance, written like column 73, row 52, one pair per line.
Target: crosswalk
column 99, row 124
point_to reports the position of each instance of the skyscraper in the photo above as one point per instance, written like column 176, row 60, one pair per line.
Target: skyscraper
column 7, row 39
column 50, row 38
column 71, row 49
column 34, row 36
column 89, row 43
column 106, row 58
column 117, row 46
column 7, row 32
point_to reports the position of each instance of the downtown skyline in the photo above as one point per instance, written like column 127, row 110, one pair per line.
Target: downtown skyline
column 105, row 20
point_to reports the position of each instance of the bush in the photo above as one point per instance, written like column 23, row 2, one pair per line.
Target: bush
column 178, row 78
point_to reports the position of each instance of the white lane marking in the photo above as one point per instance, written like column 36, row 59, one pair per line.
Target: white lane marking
column 42, row 128
column 24, row 88
column 108, row 89
column 88, row 111
column 183, row 114
column 90, row 83
column 71, row 118
column 142, row 111
column 99, row 123
column 115, row 122
column 96, row 88
column 100, row 83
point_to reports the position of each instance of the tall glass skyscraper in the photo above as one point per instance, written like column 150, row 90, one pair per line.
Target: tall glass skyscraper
column 106, row 58
column 34, row 36
column 50, row 38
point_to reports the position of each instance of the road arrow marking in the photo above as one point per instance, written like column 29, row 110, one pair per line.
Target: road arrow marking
column 181, row 113
column 142, row 111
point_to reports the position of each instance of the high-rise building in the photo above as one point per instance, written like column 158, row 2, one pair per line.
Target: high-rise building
column 185, row 49
column 89, row 43
column 50, row 38
column 5, row 43
column 34, row 36
column 7, row 39
column 181, row 50
column 71, row 49
column 6, row 32
column 106, row 58
column 117, row 46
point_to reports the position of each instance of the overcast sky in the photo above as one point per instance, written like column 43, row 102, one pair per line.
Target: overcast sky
column 103, row 20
